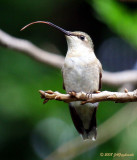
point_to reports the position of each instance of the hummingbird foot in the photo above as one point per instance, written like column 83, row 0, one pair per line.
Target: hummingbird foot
column 89, row 95
column 72, row 93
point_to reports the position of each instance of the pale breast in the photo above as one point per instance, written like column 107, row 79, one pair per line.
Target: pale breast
column 80, row 74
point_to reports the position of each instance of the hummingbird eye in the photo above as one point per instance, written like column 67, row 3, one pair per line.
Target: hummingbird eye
column 82, row 37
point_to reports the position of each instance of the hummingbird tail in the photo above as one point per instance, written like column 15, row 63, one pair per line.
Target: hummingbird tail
column 85, row 126
column 90, row 135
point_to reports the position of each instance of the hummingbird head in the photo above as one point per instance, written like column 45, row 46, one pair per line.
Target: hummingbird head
column 79, row 39
column 75, row 39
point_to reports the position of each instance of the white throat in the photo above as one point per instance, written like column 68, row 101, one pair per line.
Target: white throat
column 77, row 48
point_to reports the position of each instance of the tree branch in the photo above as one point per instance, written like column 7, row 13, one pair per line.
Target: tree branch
column 31, row 50
column 90, row 98
column 26, row 47
column 120, row 78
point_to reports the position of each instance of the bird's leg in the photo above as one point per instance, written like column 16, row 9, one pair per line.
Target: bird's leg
column 89, row 95
column 72, row 93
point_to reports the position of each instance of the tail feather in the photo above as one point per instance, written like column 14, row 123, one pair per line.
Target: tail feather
column 89, row 133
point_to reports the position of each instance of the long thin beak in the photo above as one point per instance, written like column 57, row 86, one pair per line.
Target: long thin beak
column 68, row 33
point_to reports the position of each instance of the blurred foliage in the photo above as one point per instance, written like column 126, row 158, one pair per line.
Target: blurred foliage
column 119, row 18
column 29, row 129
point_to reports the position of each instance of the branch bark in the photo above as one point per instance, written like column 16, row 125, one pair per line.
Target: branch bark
column 26, row 47
column 90, row 98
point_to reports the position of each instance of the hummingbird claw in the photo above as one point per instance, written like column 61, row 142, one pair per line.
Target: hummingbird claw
column 72, row 93
column 89, row 95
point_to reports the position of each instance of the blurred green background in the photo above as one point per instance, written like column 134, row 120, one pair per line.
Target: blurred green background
column 31, row 130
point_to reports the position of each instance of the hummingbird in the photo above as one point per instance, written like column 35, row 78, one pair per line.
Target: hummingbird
column 82, row 72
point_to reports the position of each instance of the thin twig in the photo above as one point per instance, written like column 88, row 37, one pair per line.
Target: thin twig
column 119, row 97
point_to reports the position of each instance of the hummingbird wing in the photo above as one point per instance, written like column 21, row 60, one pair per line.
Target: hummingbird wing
column 100, row 84
column 76, row 119
column 63, row 86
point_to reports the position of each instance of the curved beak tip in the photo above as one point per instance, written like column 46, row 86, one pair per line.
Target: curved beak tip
column 49, row 23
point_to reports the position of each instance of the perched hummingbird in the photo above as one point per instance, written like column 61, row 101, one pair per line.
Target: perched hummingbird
column 82, row 72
